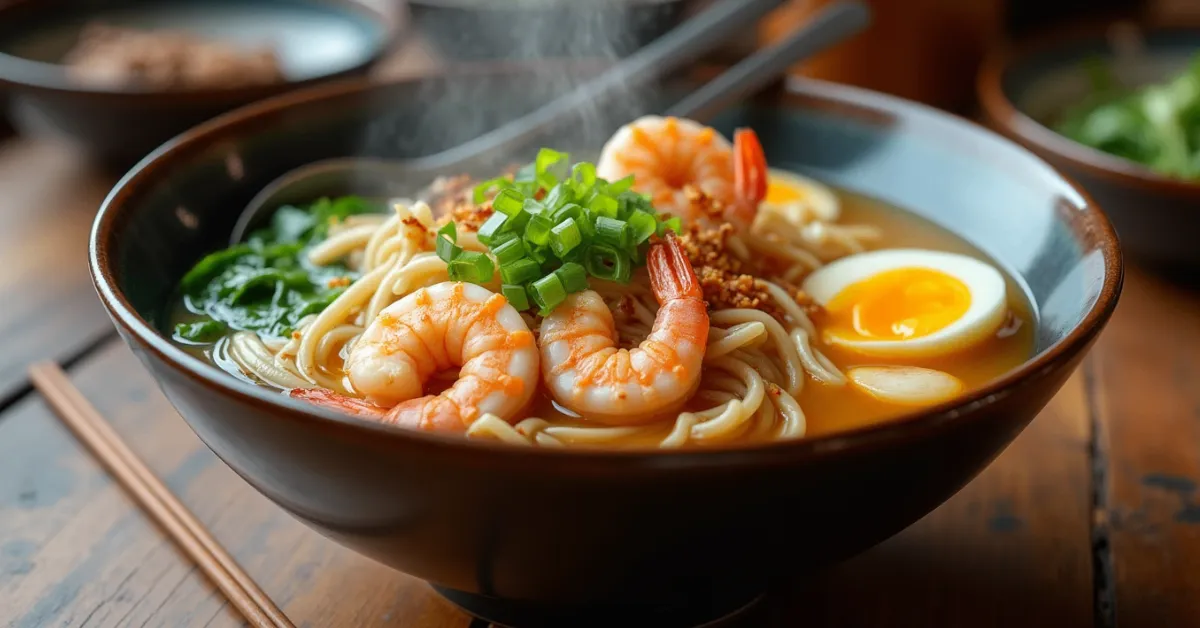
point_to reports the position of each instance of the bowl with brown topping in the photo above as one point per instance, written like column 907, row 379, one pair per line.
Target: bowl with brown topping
column 120, row 78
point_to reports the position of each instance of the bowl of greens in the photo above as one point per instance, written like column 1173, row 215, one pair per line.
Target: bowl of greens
column 1118, row 111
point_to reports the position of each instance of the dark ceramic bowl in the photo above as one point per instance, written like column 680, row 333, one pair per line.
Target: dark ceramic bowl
column 1023, row 91
column 531, row 537
column 316, row 40
column 473, row 30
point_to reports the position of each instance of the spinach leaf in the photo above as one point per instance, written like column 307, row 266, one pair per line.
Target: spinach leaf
column 267, row 284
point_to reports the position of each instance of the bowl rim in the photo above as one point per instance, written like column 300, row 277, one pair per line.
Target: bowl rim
column 21, row 74
column 910, row 425
column 1003, row 114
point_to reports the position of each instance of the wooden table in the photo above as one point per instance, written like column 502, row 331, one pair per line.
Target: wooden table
column 1091, row 518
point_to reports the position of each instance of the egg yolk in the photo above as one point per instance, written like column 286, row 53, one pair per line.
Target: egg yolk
column 780, row 192
column 897, row 304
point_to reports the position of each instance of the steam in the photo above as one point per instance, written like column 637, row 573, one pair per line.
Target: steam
column 558, row 45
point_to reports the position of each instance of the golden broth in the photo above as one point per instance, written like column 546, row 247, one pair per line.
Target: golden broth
column 832, row 409
column 828, row 409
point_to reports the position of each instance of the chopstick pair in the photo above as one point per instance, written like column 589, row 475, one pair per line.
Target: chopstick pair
column 157, row 500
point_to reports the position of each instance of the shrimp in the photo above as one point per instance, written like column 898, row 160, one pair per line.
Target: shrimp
column 586, row 372
column 669, row 155
column 451, row 324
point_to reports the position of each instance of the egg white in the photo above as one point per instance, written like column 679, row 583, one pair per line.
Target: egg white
column 984, row 315
column 819, row 203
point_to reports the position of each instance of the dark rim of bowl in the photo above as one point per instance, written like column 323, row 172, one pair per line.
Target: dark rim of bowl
column 1003, row 114
column 20, row 74
column 1090, row 223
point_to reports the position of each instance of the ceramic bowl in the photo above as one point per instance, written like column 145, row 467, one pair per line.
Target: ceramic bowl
column 548, row 537
column 316, row 40
column 1023, row 90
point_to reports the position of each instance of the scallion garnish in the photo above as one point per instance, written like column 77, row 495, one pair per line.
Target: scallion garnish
column 552, row 226
column 548, row 292
column 447, row 243
column 521, row 271
column 471, row 267
column 516, row 296
column 510, row 251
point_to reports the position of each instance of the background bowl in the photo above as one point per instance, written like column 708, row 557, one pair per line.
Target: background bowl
column 513, row 533
column 472, row 30
column 316, row 40
column 1022, row 91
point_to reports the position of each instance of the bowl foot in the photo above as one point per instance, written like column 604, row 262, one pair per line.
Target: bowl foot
column 713, row 613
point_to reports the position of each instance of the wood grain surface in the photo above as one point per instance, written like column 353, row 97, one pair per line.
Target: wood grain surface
column 1147, row 389
column 76, row 551
column 48, row 198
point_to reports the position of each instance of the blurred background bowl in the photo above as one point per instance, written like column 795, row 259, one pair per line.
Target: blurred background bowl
column 315, row 40
column 472, row 30
column 1024, row 90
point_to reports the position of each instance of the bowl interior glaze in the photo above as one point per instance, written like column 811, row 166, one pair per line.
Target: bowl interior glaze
column 585, row 528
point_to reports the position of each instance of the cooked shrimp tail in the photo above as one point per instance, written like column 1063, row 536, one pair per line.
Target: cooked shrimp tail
column 585, row 370
column 342, row 403
column 671, row 274
column 750, row 174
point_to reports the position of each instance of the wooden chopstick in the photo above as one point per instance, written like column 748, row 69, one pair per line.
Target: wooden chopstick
column 91, row 428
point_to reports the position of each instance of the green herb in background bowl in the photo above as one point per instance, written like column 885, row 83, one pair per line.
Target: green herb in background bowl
column 1157, row 125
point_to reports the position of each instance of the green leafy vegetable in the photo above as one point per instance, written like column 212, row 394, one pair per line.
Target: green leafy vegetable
column 554, row 225
column 1156, row 125
column 267, row 284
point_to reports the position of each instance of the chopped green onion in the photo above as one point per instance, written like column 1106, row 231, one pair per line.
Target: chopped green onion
column 481, row 190
column 583, row 177
column 672, row 223
column 579, row 215
column 450, row 230
column 547, row 157
column 533, row 207
column 605, row 262
column 447, row 242
column 447, row 250
column 642, row 225
column 515, row 295
column 508, row 202
column 526, row 174
column 537, row 232
column 548, row 292
column 492, row 227
column 573, row 277
column 538, row 254
column 565, row 236
column 558, row 196
column 471, row 267
column 521, row 271
column 613, row 231
column 553, row 224
column 604, row 206
column 504, row 236
column 510, row 251
column 617, row 187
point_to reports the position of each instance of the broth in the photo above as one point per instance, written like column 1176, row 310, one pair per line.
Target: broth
column 827, row 409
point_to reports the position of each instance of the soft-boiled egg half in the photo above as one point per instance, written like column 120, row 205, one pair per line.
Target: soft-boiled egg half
column 908, row 302
column 799, row 198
